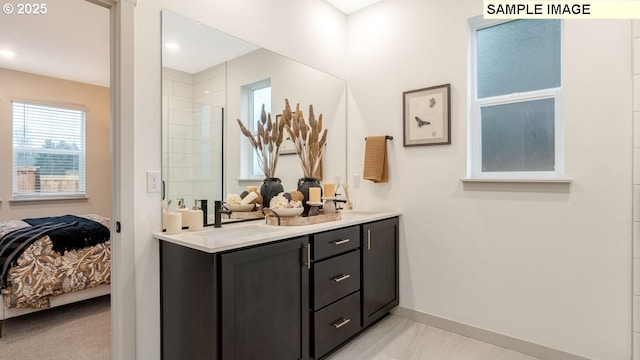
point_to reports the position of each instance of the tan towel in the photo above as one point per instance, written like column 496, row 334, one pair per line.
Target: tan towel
column 376, row 167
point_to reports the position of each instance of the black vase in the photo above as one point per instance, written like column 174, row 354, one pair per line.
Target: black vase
column 303, row 186
column 270, row 188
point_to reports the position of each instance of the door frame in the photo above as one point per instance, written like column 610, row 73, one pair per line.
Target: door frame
column 123, row 319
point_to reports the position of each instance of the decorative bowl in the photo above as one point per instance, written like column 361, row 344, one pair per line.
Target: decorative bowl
column 240, row 207
column 288, row 212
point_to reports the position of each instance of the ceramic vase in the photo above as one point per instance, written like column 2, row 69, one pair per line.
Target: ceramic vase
column 303, row 186
column 270, row 188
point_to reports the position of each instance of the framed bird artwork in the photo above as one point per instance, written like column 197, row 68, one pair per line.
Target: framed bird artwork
column 427, row 116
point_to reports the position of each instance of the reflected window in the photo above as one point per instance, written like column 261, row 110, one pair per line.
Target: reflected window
column 258, row 95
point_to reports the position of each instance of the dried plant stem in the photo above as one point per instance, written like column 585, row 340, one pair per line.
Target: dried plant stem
column 309, row 139
column 266, row 142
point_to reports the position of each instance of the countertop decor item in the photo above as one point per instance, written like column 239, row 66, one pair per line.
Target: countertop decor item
column 309, row 139
column 304, row 184
column 270, row 188
column 266, row 142
column 288, row 212
column 240, row 207
column 301, row 221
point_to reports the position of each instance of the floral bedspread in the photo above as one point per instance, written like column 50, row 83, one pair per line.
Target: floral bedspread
column 41, row 273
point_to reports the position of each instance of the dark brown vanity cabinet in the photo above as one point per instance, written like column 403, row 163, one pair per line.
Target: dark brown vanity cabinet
column 297, row 298
column 251, row 303
column 336, row 288
column 189, row 300
column 379, row 269
column 265, row 302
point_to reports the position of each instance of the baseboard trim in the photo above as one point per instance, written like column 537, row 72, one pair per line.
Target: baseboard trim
column 487, row 336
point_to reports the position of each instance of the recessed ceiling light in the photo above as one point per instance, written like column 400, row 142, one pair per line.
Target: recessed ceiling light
column 7, row 53
column 172, row 46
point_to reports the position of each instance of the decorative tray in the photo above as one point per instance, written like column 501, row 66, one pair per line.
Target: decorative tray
column 244, row 215
column 299, row 220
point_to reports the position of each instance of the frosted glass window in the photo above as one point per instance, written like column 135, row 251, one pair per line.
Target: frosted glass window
column 519, row 136
column 515, row 119
column 518, row 56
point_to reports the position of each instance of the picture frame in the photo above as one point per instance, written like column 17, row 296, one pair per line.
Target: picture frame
column 426, row 116
column 287, row 147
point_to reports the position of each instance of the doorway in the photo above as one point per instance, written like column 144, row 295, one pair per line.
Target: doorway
column 117, row 15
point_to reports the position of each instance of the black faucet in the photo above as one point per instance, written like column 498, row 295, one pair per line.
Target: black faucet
column 218, row 211
column 205, row 211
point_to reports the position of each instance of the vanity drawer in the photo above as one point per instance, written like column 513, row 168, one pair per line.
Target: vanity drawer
column 335, row 278
column 335, row 242
column 336, row 323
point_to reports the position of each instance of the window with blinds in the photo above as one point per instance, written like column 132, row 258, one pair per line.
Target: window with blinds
column 48, row 151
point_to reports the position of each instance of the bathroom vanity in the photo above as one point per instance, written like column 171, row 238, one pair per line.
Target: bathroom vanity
column 254, row 291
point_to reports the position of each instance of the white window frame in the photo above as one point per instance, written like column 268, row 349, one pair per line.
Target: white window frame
column 82, row 175
column 474, row 136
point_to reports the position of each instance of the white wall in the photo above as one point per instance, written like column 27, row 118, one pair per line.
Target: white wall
column 318, row 37
column 553, row 269
column 550, row 268
column 300, row 84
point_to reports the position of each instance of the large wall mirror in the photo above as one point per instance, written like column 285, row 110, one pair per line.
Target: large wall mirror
column 207, row 80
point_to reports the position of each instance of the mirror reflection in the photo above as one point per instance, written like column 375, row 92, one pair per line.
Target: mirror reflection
column 210, row 79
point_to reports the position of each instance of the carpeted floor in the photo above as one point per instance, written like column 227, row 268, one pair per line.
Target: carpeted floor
column 72, row 332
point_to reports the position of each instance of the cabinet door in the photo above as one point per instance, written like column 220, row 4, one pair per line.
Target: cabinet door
column 265, row 302
column 189, row 303
column 379, row 269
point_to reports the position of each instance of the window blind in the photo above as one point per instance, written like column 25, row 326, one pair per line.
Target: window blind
column 48, row 150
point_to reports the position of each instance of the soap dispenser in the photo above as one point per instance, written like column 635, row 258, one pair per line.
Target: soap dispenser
column 182, row 209
column 196, row 222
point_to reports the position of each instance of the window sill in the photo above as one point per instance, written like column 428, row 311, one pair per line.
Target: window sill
column 37, row 199
column 250, row 181
column 516, row 185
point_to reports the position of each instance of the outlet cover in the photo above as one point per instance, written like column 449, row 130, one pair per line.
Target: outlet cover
column 355, row 180
column 154, row 182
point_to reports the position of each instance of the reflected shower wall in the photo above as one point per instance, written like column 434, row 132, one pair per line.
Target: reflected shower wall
column 192, row 114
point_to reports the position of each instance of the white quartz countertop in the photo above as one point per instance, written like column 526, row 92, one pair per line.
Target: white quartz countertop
column 238, row 235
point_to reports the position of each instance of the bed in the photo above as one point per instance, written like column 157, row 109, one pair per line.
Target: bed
column 52, row 261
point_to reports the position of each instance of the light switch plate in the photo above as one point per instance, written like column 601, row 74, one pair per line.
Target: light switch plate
column 154, row 182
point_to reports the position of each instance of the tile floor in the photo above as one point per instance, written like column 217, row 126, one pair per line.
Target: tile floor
column 397, row 338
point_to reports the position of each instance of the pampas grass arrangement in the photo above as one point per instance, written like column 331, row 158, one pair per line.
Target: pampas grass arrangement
column 309, row 139
column 266, row 143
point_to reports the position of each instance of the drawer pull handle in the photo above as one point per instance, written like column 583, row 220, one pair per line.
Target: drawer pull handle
column 341, row 277
column 342, row 322
column 340, row 242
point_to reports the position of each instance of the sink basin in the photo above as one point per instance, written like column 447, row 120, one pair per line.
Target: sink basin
column 243, row 232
